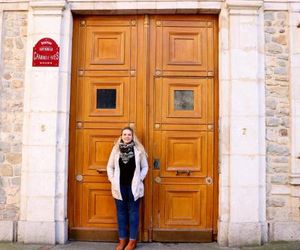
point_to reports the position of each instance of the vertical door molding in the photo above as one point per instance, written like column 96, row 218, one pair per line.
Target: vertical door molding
column 242, row 110
column 45, row 129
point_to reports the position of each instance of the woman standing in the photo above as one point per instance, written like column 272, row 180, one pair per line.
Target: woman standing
column 126, row 169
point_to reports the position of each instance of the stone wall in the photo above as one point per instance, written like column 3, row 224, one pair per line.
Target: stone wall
column 277, row 116
column 14, row 31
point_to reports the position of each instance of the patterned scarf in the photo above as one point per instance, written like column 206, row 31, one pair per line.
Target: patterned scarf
column 126, row 151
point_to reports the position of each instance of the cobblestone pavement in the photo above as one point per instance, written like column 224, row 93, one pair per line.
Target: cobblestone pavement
column 147, row 246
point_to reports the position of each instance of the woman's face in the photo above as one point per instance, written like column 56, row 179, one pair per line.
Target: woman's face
column 126, row 136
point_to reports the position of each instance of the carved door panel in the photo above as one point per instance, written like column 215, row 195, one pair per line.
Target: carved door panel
column 182, row 127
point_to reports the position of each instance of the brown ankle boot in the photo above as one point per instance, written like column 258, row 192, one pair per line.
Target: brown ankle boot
column 122, row 244
column 131, row 245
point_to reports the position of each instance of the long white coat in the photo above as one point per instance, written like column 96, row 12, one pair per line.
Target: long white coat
column 113, row 173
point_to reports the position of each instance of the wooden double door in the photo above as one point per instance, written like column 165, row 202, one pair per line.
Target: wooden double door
column 157, row 74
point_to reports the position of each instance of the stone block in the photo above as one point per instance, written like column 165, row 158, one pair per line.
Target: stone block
column 288, row 231
column 61, row 231
column 244, row 98
column 46, row 25
column 44, row 91
column 37, row 232
column 273, row 48
column 244, row 234
column 223, row 233
column 40, row 129
column 6, row 230
column 276, row 149
column 244, row 136
column 279, row 179
column 276, row 202
column 6, row 170
column 268, row 15
column 280, row 70
column 244, row 171
column 244, row 65
column 44, row 181
column 280, row 189
column 40, row 159
column 14, row 158
column 244, row 204
column 40, row 209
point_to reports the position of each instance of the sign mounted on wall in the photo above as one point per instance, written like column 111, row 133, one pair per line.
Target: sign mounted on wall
column 45, row 53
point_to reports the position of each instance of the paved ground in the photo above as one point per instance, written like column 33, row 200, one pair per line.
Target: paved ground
column 147, row 246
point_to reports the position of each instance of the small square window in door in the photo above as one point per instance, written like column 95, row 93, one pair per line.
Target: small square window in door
column 106, row 99
column 183, row 100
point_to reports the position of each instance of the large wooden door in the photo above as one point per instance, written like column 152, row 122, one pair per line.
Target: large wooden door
column 182, row 127
column 158, row 75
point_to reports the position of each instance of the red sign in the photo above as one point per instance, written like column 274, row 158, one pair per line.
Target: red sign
column 45, row 53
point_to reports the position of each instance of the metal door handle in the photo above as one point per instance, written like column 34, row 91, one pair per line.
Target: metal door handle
column 188, row 172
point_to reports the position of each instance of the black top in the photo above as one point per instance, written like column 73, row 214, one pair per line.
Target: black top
column 126, row 171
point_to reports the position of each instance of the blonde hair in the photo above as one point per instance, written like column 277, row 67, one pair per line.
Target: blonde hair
column 136, row 140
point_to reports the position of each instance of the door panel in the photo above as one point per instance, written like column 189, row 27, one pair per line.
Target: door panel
column 98, row 206
column 115, row 105
column 183, row 98
column 184, row 154
column 156, row 74
column 183, row 206
column 184, row 46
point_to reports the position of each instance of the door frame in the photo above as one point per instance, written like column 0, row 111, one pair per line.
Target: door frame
column 146, row 227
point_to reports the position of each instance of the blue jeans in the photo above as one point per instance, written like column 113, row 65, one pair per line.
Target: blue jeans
column 128, row 214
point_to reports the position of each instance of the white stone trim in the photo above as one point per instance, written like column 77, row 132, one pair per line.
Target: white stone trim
column 295, row 92
column 45, row 130
column 141, row 6
column 242, row 196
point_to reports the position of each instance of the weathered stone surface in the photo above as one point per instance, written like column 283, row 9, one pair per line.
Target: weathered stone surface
column 274, row 48
column 277, row 149
column 281, row 39
column 11, row 111
column 269, row 15
column 279, row 179
column 275, row 202
column 6, row 170
column 277, row 113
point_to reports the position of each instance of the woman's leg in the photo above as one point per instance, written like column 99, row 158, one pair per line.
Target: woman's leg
column 134, row 216
column 122, row 214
